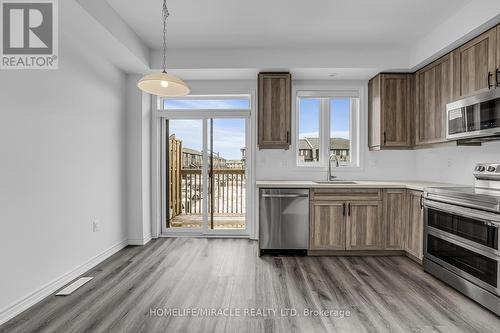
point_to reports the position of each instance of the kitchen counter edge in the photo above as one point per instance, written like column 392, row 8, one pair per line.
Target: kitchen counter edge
column 411, row 185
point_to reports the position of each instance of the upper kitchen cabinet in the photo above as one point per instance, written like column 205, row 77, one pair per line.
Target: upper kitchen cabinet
column 389, row 109
column 434, row 89
column 497, row 71
column 274, row 100
column 475, row 65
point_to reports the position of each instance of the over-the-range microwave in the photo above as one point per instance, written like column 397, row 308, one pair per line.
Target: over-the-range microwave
column 474, row 117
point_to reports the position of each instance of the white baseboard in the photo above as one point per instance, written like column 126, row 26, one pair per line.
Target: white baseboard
column 17, row 307
column 140, row 241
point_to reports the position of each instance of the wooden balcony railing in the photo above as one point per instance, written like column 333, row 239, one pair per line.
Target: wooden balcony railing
column 226, row 192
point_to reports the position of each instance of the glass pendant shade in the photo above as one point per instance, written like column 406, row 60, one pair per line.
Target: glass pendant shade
column 163, row 84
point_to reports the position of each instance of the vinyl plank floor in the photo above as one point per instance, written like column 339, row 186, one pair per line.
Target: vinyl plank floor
column 381, row 294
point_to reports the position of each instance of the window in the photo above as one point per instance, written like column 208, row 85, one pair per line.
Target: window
column 327, row 125
column 309, row 120
column 207, row 104
column 340, row 129
column 204, row 164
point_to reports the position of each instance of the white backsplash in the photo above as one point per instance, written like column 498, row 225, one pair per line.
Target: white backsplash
column 454, row 164
column 379, row 165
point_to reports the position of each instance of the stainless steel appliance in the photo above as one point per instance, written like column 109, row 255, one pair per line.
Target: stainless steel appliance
column 461, row 236
column 474, row 117
column 284, row 221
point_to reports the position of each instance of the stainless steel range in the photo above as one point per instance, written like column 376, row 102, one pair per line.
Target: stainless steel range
column 461, row 236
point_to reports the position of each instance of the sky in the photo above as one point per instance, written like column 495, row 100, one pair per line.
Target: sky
column 339, row 117
column 229, row 134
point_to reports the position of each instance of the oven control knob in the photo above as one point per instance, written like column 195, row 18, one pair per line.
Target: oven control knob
column 481, row 168
column 491, row 168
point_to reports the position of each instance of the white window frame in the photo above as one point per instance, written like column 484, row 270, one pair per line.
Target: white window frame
column 324, row 127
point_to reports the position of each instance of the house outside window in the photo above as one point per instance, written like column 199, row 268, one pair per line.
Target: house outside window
column 327, row 124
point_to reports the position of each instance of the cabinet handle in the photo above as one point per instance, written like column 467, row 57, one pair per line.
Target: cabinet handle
column 349, row 209
column 287, row 136
column 385, row 138
column 497, row 77
column 343, row 209
column 490, row 75
column 421, row 201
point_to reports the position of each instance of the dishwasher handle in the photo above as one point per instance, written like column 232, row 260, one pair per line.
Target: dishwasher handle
column 284, row 195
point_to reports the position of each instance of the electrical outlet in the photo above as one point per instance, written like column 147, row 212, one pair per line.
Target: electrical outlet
column 449, row 164
column 95, row 225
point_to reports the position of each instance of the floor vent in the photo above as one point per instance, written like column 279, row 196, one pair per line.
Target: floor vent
column 74, row 286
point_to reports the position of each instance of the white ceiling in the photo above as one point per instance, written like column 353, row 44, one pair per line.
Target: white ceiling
column 334, row 74
column 286, row 23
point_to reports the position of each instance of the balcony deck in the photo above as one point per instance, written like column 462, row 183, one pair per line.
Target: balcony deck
column 227, row 198
column 194, row 221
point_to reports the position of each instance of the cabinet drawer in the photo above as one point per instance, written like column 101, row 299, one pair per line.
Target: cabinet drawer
column 336, row 194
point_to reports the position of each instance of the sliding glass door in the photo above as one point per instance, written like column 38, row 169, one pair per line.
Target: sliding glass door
column 204, row 171
column 227, row 174
column 184, row 167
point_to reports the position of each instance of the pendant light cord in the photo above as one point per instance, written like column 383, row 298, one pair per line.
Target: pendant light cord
column 165, row 15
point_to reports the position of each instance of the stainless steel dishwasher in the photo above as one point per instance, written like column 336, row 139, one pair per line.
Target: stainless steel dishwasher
column 284, row 221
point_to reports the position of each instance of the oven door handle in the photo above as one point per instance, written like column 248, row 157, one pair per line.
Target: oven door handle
column 461, row 202
column 487, row 218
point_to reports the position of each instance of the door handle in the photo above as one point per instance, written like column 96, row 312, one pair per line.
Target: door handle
column 497, row 77
column 490, row 75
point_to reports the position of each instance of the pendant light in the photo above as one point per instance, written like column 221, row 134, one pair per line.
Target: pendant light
column 163, row 84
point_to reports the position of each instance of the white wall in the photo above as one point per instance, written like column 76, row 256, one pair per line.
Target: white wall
column 455, row 30
column 430, row 164
column 138, row 140
column 62, row 164
column 380, row 165
column 454, row 164
column 281, row 165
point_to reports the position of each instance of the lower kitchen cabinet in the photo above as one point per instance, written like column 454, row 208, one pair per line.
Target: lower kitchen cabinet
column 395, row 218
column 366, row 220
column 364, row 226
column 327, row 227
column 415, row 225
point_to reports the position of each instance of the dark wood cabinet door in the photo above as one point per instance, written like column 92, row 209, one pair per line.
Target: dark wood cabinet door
column 497, row 71
column 415, row 224
column 364, row 227
column 327, row 226
column 475, row 65
column 374, row 116
column 433, row 92
column 394, row 218
column 274, row 100
column 395, row 106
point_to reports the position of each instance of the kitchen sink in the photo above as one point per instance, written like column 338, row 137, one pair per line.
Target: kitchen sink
column 336, row 182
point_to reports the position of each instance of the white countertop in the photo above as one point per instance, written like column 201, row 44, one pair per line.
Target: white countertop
column 412, row 185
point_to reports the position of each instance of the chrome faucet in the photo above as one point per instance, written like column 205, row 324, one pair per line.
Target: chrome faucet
column 330, row 176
